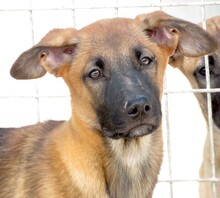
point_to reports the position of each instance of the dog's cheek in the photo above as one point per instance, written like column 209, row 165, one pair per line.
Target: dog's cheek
column 216, row 108
column 97, row 92
column 106, row 106
column 103, row 116
column 200, row 80
column 216, row 102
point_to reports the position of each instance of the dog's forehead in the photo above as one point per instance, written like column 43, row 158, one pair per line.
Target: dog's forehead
column 113, row 34
column 213, row 26
column 107, row 26
column 192, row 63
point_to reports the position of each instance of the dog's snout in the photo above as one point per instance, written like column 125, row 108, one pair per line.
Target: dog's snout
column 138, row 107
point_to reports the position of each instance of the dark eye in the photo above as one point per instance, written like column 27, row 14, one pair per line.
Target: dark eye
column 146, row 60
column 211, row 60
column 99, row 63
column 202, row 71
column 95, row 74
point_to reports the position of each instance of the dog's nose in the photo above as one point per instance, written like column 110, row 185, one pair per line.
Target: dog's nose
column 138, row 107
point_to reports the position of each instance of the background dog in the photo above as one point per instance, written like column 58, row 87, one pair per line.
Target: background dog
column 112, row 144
column 194, row 70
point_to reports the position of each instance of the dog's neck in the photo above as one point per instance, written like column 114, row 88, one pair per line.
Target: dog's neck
column 216, row 129
column 216, row 141
column 206, row 166
column 129, row 165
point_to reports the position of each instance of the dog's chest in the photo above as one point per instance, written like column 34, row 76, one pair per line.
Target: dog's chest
column 128, row 170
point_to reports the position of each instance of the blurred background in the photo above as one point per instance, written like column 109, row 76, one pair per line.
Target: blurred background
column 25, row 22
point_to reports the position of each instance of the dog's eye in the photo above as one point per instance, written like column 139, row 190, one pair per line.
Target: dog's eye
column 146, row 60
column 95, row 74
column 99, row 63
column 202, row 71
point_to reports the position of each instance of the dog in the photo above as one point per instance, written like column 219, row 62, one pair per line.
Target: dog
column 112, row 144
column 194, row 70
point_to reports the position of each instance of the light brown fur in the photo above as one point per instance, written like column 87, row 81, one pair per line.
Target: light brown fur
column 188, row 66
column 74, row 158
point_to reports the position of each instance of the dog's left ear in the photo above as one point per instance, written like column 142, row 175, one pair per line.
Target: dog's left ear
column 54, row 53
column 177, row 35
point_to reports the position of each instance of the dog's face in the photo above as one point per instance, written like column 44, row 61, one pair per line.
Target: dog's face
column 121, row 75
column 194, row 70
column 114, row 68
column 200, row 76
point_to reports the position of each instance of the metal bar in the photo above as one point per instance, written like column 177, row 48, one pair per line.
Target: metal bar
column 209, row 106
column 166, row 92
column 160, row 4
column 190, row 180
column 208, row 90
column 74, row 18
column 36, row 96
column 35, row 84
column 116, row 8
column 168, row 140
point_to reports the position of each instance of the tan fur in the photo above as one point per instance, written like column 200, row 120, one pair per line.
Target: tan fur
column 73, row 158
column 188, row 65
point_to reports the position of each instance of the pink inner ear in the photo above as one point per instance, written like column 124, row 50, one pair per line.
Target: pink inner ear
column 162, row 36
column 68, row 51
column 53, row 58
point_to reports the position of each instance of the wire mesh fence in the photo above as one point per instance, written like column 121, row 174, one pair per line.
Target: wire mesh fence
column 25, row 22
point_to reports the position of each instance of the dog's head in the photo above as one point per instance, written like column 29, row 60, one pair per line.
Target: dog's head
column 194, row 70
column 114, row 68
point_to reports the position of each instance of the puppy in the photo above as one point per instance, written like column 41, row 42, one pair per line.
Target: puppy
column 112, row 144
column 194, row 70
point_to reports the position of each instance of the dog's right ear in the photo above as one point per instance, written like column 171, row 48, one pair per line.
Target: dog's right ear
column 54, row 53
column 212, row 27
column 177, row 35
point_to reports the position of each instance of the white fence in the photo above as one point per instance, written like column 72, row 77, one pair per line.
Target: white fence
column 25, row 22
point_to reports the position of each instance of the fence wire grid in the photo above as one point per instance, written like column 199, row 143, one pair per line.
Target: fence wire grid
column 25, row 22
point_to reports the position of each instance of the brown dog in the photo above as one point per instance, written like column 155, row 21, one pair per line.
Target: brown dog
column 194, row 70
column 112, row 144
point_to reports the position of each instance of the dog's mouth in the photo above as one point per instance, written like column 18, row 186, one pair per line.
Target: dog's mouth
column 137, row 131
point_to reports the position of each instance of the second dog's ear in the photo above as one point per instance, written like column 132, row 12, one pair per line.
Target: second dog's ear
column 53, row 54
column 213, row 27
column 178, row 35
